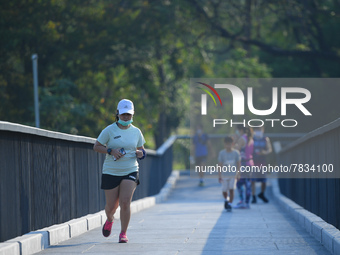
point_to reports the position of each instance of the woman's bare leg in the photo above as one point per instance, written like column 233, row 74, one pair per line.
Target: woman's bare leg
column 112, row 202
column 126, row 190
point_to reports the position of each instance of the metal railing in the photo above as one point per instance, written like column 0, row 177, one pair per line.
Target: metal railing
column 184, row 143
column 48, row 178
column 321, row 196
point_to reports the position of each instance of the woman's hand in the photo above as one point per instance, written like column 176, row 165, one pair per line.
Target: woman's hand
column 139, row 153
column 117, row 154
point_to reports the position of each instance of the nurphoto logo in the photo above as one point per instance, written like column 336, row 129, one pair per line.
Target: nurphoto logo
column 288, row 97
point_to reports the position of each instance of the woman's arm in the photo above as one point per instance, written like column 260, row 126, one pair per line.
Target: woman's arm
column 238, row 173
column 240, row 143
column 139, row 152
column 269, row 147
column 98, row 147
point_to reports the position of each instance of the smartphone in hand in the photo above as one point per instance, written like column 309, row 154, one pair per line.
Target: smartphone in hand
column 121, row 151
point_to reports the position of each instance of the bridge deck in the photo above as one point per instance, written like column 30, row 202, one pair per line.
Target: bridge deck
column 193, row 221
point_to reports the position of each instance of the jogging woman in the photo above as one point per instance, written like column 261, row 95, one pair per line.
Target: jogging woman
column 120, row 170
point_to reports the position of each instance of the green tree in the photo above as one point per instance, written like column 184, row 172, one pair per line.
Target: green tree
column 94, row 53
column 280, row 32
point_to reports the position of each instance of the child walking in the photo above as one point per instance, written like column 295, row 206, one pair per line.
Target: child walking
column 229, row 160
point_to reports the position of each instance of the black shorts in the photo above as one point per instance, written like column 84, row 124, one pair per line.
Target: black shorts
column 112, row 181
column 200, row 160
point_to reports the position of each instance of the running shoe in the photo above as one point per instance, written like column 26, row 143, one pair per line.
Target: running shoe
column 261, row 195
column 242, row 205
column 107, row 228
column 254, row 200
column 229, row 208
column 201, row 184
column 123, row 238
column 226, row 205
column 239, row 205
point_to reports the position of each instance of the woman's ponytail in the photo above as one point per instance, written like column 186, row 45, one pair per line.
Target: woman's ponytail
column 117, row 118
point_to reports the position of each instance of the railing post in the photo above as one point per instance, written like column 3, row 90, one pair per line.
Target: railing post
column 35, row 85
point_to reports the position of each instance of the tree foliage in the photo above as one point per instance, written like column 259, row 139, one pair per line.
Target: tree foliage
column 94, row 53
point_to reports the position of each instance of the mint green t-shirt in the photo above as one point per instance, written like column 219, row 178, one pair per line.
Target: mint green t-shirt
column 115, row 138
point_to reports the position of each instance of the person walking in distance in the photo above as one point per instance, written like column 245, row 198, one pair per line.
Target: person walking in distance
column 201, row 149
column 124, row 144
column 262, row 147
column 245, row 144
column 229, row 160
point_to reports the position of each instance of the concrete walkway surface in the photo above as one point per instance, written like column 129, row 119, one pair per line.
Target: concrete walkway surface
column 193, row 221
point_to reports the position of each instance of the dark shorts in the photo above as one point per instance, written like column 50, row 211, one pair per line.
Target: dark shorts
column 112, row 181
column 200, row 160
column 259, row 179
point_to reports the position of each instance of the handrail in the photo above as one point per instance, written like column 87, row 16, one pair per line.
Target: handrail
column 161, row 150
column 315, row 190
column 317, row 132
column 14, row 127
column 270, row 135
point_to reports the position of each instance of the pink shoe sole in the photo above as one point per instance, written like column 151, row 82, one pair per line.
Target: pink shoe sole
column 106, row 231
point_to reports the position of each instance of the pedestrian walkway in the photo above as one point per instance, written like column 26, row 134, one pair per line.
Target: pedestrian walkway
column 193, row 221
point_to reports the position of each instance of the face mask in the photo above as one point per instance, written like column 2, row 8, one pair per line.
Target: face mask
column 199, row 131
column 237, row 132
column 125, row 123
column 258, row 134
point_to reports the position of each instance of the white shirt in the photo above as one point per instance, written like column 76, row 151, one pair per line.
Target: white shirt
column 115, row 138
column 229, row 159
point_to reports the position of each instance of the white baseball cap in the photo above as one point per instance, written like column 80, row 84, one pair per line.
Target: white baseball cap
column 125, row 106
